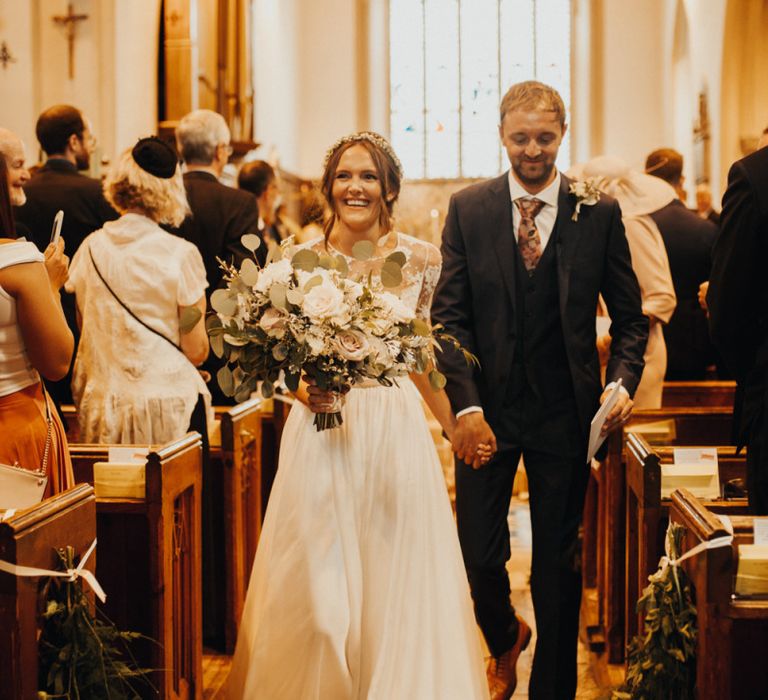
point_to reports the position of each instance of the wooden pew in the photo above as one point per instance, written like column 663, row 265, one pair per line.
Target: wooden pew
column 648, row 512
column 239, row 456
column 733, row 632
column 31, row 538
column 605, row 519
column 150, row 561
column 689, row 394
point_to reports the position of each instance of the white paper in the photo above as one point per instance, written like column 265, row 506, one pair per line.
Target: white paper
column 128, row 455
column 761, row 530
column 595, row 437
column 705, row 456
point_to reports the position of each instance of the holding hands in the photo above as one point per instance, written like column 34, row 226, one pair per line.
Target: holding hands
column 473, row 440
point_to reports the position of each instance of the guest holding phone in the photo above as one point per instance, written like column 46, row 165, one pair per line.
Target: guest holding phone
column 34, row 341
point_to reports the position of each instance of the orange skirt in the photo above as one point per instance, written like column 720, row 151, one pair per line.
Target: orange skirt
column 23, row 430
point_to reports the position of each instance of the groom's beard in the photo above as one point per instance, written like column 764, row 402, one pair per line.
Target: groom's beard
column 534, row 173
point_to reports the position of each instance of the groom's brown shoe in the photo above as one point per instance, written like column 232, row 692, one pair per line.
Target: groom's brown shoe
column 502, row 672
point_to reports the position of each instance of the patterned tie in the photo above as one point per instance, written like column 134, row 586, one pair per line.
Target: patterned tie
column 528, row 239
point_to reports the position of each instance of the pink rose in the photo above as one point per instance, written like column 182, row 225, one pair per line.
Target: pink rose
column 351, row 345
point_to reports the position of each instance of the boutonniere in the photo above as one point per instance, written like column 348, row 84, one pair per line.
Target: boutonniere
column 586, row 192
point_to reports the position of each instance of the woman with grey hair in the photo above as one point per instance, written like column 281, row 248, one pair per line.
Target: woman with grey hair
column 141, row 301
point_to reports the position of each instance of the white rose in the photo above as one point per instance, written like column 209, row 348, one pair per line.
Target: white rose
column 323, row 302
column 276, row 272
column 351, row 345
column 395, row 308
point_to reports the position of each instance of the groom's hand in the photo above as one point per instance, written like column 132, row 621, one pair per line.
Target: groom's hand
column 620, row 412
column 472, row 431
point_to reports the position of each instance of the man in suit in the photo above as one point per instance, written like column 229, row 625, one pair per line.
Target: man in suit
column 738, row 310
column 220, row 215
column 65, row 136
column 523, row 265
column 704, row 206
column 688, row 240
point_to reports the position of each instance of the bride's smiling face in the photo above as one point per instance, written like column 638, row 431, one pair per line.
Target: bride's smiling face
column 357, row 190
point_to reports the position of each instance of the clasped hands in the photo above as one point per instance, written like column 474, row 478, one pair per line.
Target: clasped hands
column 474, row 443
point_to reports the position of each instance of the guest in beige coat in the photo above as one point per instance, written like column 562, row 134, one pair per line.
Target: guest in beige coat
column 638, row 195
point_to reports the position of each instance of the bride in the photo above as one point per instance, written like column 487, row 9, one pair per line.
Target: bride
column 358, row 588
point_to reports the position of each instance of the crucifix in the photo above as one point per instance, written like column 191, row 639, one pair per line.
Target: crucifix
column 6, row 56
column 69, row 21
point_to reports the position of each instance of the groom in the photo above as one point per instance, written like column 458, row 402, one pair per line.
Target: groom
column 522, row 271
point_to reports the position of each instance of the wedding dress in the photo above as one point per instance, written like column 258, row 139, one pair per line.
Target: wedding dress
column 358, row 589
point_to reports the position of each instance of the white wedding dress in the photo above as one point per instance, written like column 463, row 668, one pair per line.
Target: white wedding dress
column 358, row 589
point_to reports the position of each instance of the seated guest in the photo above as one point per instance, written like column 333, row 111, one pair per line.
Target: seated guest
column 65, row 136
column 12, row 149
column 704, row 204
column 258, row 177
column 688, row 240
column 638, row 195
column 34, row 341
column 135, row 378
column 219, row 215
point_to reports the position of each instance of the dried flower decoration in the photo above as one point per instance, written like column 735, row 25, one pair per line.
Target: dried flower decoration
column 372, row 137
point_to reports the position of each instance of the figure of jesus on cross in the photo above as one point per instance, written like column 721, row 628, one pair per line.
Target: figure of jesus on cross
column 69, row 21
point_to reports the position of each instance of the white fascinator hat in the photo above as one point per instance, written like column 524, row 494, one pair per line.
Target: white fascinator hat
column 636, row 192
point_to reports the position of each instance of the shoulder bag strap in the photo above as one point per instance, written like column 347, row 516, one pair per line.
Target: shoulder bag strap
column 120, row 301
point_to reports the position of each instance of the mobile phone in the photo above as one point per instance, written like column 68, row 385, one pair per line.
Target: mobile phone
column 58, row 220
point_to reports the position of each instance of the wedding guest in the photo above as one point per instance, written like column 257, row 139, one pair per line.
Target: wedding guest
column 688, row 240
column 259, row 178
column 704, row 204
column 638, row 196
column 738, row 311
column 34, row 341
column 524, row 263
column 219, row 215
column 65, row 136
column 12, row 149
column 667, row 163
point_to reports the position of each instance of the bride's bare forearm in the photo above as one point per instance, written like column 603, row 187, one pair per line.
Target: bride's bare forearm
column 437, row 401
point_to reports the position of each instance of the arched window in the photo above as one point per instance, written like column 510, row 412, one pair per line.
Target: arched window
column 451, row 61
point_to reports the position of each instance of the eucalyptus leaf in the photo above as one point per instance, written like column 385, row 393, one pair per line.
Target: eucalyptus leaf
column 267, row 389
column 278, row 295
column 305, row 259
column 226, row 380
column 341, row 265
column 391, row 275
column 250, row 241
column 235, row 340
column 313, row 282
column 363, row 250
column 294, row 296
column 437, row 380
column 420, row 327
column 213, row 323
column 327, row 262
column 398, row 257
column 249, row 272
column 280, row 352
column 223, row 303
column 217, row 345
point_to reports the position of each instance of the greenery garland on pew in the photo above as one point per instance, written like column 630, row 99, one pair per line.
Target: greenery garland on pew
column 661, row 662
column 82, row 657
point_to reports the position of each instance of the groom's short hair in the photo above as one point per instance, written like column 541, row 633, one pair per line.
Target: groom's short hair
column 532, row 95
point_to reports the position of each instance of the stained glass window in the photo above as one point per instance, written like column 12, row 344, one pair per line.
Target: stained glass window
column 451, row 62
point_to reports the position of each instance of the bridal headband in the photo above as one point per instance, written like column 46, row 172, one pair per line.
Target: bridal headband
column 371, row 137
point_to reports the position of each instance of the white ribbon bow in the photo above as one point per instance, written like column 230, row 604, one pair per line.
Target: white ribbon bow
column 70, row 574
column 724, row 541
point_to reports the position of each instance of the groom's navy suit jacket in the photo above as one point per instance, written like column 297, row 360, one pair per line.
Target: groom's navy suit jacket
column 476, row 297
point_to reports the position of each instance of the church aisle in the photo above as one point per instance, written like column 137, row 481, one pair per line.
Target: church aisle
column 519, row 569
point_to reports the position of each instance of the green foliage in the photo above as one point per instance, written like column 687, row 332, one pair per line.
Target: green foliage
column 81, row 656
column 661, row 661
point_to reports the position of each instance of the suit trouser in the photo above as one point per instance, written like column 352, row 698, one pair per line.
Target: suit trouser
column 557, row 487
column 757, row 464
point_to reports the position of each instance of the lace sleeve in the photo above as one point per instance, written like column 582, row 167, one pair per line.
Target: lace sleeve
column 433, row 264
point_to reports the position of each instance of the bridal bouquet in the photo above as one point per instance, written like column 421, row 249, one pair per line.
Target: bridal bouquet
column 304, row 313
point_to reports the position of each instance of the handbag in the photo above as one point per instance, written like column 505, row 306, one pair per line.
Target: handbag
column 22, row 488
